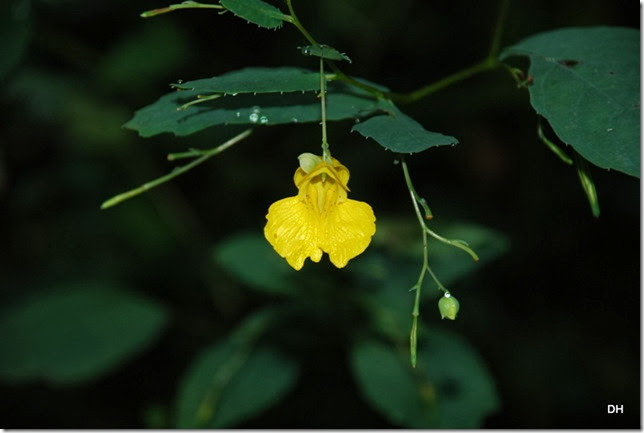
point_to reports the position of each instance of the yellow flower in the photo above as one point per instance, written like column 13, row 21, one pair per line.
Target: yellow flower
column 320, row 218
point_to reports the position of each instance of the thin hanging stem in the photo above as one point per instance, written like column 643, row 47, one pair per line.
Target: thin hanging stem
column 415, row 313
column 176, row 172
column 417, row 202
column 583, row 171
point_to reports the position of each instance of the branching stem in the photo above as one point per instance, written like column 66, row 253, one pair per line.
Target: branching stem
column 176, row 172
column 425, row 268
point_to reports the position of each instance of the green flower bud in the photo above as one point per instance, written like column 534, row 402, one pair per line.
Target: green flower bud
column 308, row 161
column 448, row 306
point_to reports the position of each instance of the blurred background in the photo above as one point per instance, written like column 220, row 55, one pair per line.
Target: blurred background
column 553, row 310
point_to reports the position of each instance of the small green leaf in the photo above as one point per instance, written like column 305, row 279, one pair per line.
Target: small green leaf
column 586, row 82
column 166, row 115
column 400, row 133
column 233, row 380
column 255, row 11
column 257, row 80
column 324, row 51
column 249, row 257
column 75, row 333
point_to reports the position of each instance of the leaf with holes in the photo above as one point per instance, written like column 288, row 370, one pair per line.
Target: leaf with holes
column 586, row 82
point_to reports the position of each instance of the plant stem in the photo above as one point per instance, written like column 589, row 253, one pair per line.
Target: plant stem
column 293, row 19
column 583, row 171
column 416, row 201
column 184, row 5
column 552, row 146
column 326, row 153
column 413, row 335
column 454, row 242
column 415, row 313
column 174, row 173
column 487, row 64
column 495, row 47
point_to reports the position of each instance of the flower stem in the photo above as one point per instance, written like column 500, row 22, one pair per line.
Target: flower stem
column 326, row 153
column 176, row 172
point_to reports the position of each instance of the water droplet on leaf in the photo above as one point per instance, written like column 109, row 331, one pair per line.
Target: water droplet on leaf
column 254, row 117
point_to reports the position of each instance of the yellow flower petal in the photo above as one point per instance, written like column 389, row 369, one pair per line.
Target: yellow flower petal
column 292, row 232
column 347, row 229
column 320, row 218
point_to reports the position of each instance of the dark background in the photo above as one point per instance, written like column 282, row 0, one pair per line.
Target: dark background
column 557, row 318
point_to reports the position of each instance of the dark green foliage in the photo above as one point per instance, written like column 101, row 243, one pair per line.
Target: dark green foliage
column 586, row 82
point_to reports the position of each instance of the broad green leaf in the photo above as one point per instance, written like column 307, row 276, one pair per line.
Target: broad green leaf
column 257, row 80
column 255, row 11
column 450, row 388
column 75, row 333
column 586, row 82
column 389, row 385
column 246, row 109
column 465, row 390
column 324, row 52
column 234, row 380
column 400, row 133
column 249, row 257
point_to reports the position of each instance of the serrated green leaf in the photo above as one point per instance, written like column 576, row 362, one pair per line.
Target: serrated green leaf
column 255, row 11
column 250, row 258
column 233, row 380
column 400, row 133
column 324, row 51
column 246, row 109
column 449, row 389
column 257, row 80
column 75, row 333
column 586, row 82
